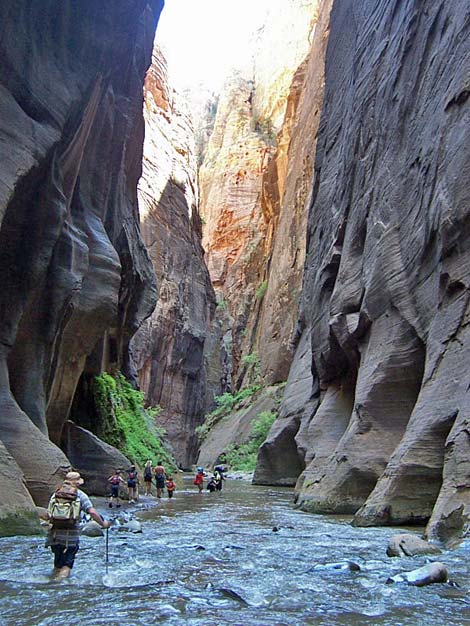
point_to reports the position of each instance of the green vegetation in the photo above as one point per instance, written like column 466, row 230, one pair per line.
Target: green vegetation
column 252, row 363
column 261, row 290
column 242, row 457
column 126, row 424
column 226, row 404
column 264, row 128
column 20, row 522
column 222, row 305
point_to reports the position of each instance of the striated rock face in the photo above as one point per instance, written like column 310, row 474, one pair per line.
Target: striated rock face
column 242, row 188
column 386, row 290
column 236, row 428
column 76, row 279
column 178, row 363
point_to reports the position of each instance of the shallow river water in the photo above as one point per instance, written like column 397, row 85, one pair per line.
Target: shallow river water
column 214, row 560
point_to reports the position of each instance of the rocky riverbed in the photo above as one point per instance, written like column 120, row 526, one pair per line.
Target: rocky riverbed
column 244, row 556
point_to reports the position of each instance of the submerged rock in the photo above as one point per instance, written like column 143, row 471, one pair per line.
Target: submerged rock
column 230, row 593
column 407, row 544
column 132, row 526
column 92, row 529
column 342, row 565
column 426, row 575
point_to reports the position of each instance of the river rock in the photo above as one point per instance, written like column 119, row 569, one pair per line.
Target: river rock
column 92, row 529
column 131, row 526
column 342, row 566
column 407, row 544
column 92, row 457
column 426, row 575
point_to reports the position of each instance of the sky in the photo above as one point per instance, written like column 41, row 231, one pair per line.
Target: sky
column 203, row 39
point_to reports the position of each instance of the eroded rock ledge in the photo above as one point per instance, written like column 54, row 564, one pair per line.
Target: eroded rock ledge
column 384, row 429
column 76, row 281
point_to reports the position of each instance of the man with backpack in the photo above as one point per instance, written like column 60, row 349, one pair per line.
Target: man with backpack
column 64, row 511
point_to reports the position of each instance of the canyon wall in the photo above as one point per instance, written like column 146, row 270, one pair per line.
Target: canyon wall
column 176, row 351
column 242, row 183
column 76, row 278
column 381, row 366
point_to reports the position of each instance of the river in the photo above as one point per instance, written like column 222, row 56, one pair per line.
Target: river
column 215, row 560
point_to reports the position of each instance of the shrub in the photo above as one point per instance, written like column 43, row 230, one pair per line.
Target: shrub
column 226, row 404
column 253, row 365
column 242, row 457
column 261, row 290
column 126, row 424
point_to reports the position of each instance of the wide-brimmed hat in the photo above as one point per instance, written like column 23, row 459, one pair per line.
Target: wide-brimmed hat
column 74, row 477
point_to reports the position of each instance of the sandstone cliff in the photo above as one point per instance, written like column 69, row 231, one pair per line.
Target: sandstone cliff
column 178, row 363
column 384, row 432
column 242, row 194
column 76, row 279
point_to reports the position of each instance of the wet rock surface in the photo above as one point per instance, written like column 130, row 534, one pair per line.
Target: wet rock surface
column 410, row 545
column 426, row 575
column 76, row 279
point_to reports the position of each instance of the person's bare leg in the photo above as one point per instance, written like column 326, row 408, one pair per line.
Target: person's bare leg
column 64, row 572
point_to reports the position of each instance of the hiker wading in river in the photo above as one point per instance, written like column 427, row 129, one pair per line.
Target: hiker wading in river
column 64, row 511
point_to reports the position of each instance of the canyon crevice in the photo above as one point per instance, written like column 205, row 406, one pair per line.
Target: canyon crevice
column 176, row 351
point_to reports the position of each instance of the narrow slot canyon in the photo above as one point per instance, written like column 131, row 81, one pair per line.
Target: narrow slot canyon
column 236, row 235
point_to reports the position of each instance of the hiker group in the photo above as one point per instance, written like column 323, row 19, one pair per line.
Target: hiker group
column 68, row 504
column 162, row 481
column 215, row 481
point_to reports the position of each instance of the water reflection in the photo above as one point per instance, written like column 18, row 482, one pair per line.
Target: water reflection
column 208, row 559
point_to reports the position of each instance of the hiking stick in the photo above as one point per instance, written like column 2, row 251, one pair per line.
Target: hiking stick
column 107, row 549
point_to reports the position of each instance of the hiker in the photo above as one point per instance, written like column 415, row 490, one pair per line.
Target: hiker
column 170, row 486
column 199, row 479
column 132, row 478
column 64, row 510
column 148, row 478
column 211, row 485
column 219, row 477
column 116, row 479
column 160, row 476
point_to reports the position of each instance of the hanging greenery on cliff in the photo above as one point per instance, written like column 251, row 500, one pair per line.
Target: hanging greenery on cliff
column 126, row 424
column 242, row 457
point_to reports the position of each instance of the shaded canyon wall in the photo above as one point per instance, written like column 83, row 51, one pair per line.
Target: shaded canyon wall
column 76, row 280
column 377, row 403
column 176, row 352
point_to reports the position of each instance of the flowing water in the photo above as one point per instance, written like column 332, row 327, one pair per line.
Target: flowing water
column 214, row 560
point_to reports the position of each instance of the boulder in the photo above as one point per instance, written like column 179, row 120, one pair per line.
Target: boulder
column 407, row 544
column 426, row 575
column 93, row 458
column 131, row 526
column 18, row 513
column 92, row 529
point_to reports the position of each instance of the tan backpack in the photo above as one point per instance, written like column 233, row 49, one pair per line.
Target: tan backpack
column 64, row 507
